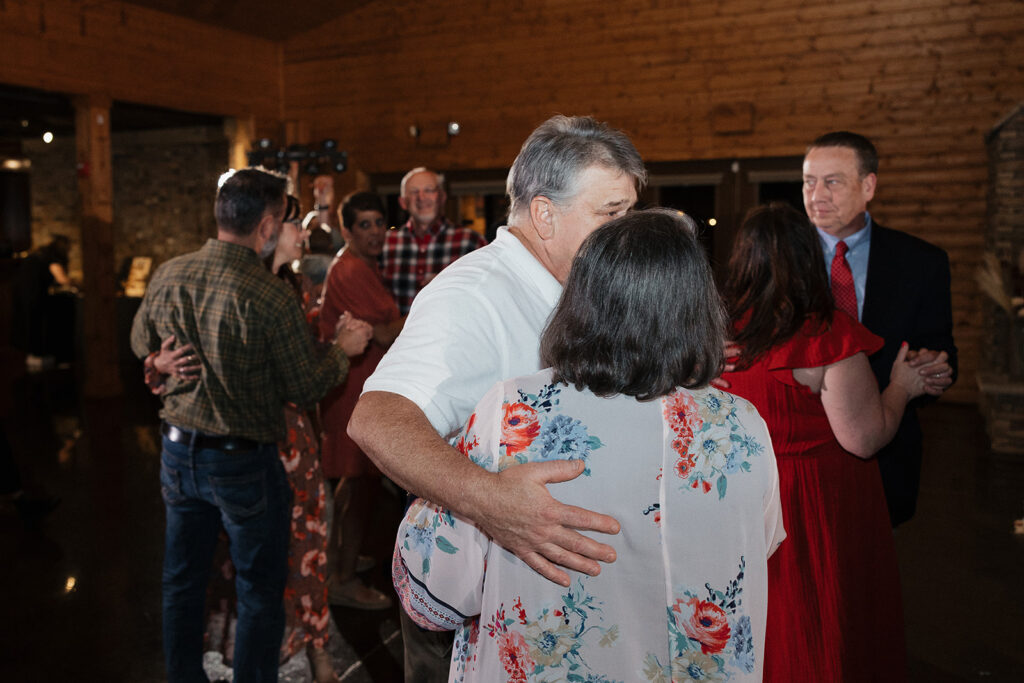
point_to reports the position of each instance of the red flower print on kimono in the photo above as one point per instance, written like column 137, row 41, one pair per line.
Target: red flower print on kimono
column 680, row 411
column 685, row 465
column 704, row 622
column 515, row 656
column 519, row 427
column 465, row 445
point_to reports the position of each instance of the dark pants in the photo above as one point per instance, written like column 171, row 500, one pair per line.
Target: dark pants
column 10, row 479
column 247, row 493
column 428, row 654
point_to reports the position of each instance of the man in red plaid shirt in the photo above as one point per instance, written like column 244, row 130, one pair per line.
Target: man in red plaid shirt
column 417, row 251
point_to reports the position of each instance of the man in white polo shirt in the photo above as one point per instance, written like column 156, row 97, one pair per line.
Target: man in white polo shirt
column 479, row 322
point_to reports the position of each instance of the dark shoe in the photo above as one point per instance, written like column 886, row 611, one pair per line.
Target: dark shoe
column 353, row 593
column 365, row 563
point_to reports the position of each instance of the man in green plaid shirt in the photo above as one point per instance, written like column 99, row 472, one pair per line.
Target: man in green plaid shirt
column 219, row 462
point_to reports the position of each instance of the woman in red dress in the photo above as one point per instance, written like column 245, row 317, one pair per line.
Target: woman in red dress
column 834, row 607
column 354, row 286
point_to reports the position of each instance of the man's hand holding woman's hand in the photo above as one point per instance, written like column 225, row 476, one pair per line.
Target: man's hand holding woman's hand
column 934, row 367
column 352, row 334
column 922, row 371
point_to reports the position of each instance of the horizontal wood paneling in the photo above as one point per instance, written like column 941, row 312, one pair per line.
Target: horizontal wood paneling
column 138, row 55
column 925, row 79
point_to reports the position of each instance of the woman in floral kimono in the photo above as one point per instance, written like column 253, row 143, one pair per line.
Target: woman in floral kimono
column 687, row 469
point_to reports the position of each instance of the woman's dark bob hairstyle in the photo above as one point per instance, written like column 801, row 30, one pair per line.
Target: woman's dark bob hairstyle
column 640, row 314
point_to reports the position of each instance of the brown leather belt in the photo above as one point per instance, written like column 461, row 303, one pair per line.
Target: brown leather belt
column 211, row 441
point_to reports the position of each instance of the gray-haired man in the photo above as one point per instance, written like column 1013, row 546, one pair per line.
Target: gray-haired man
column 480, row 322
column 427, row 243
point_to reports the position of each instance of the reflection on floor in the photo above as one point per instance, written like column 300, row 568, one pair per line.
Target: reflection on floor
column 83, row 587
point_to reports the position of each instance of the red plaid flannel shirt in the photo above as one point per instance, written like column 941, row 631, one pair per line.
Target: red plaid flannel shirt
column 409, row 262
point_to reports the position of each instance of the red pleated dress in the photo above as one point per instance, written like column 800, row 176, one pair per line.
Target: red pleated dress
column 834, row 605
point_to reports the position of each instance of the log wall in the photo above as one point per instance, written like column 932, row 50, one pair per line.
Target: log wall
column 925, row 79
column 133, row 54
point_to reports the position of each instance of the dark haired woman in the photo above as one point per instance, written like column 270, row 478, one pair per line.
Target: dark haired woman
column 834, row 610
column 687, row 469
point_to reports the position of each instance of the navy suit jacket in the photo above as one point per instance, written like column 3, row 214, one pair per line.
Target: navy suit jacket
column 906, row 298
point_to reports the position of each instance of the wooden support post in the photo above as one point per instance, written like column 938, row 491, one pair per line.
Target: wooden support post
column 96, row 189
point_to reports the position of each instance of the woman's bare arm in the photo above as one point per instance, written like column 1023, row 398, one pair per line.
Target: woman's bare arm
column 863, row 419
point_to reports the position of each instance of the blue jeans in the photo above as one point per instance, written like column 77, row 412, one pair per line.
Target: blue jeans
column 247, row 493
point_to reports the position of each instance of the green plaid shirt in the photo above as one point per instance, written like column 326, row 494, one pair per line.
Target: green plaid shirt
column 249, row 334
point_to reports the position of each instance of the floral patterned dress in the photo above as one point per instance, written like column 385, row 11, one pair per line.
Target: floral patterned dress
column 307, row 615
column 692, row 480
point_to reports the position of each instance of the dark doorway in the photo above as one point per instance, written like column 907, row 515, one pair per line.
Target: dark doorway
column 15, row 212
column 698, row 202
column 719, row 192
column 788, row 192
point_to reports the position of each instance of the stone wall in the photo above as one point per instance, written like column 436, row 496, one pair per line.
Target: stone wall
column 1005, row 142
column 164, row 185
column 1004, row 237
column 165, row 182
column 54, row 190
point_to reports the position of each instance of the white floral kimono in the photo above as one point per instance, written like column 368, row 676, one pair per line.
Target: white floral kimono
column 692, row 480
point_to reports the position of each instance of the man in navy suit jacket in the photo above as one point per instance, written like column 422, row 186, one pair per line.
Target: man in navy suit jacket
column 902, row 288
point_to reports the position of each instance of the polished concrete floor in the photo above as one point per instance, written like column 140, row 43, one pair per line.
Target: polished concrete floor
column 82, row 588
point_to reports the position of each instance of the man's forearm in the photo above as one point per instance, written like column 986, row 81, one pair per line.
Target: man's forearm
column 514, row 508
column 396, row 435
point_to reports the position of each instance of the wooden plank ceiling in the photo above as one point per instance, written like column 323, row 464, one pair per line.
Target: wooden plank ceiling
column 269, row 19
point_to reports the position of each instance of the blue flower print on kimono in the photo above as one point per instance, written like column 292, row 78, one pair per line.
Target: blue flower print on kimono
column 563, row 438
column 553, row 641
column 709, row 438
column 530, row 426
column 423, row 536
column 710, row 637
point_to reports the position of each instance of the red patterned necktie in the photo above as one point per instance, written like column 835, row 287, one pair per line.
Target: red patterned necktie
column 842, row 282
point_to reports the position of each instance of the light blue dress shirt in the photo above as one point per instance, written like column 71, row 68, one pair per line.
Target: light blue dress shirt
column 858, row 249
